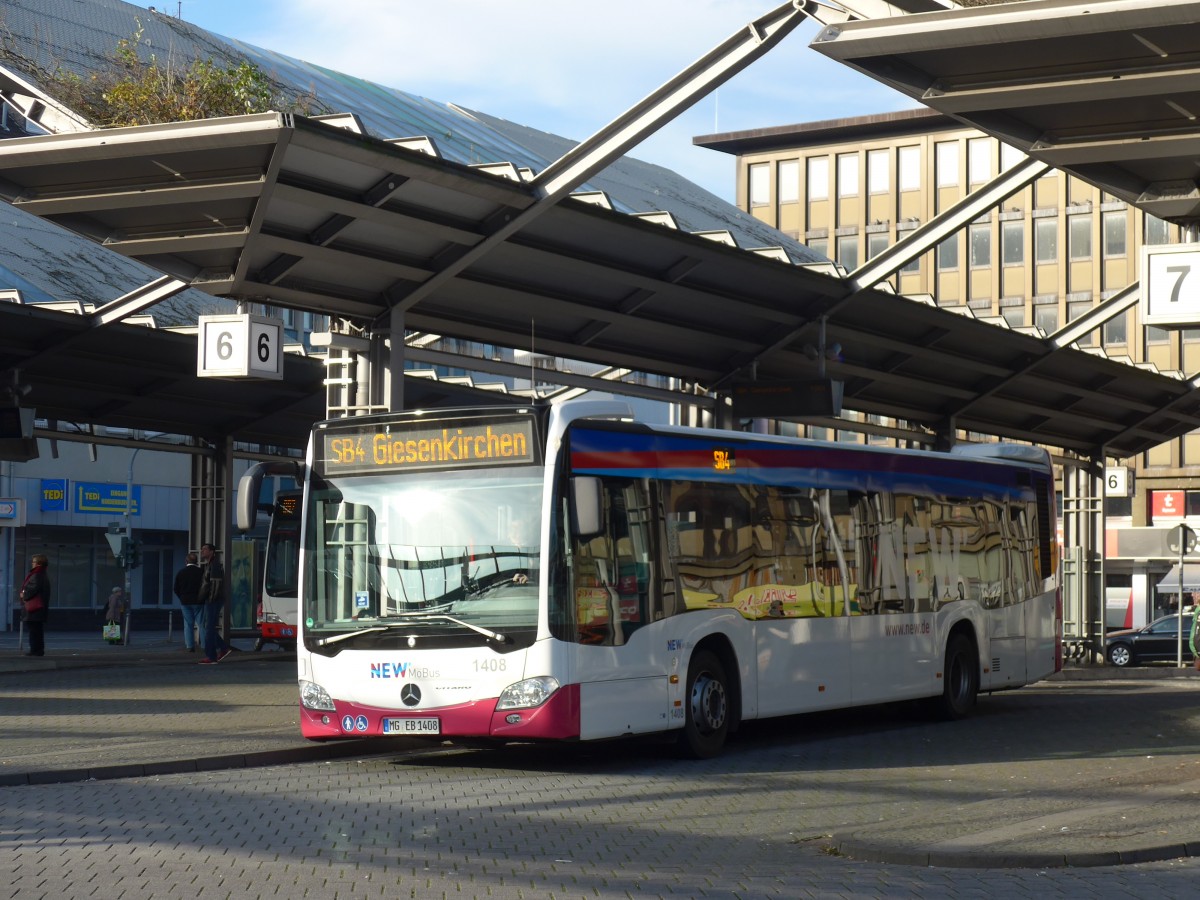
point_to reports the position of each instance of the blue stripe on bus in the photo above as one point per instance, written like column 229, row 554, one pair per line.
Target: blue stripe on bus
column 647, row 455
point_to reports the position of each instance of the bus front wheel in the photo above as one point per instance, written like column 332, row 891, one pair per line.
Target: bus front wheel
column 707, row 707
column 960, row 679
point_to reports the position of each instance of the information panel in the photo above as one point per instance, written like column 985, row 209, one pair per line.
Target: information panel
column 420, row 445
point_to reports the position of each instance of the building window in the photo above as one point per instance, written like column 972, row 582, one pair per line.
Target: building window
column 847, row 175
column 847, row 251
column 1114, row 233
column 913, row 265
column 947, row 253
column 878, row 177
column 908, row 164
column 1156, row 335
column 1115, row 331
column 1045, row 236
column 789, row 181
column 818, row 178
column 946, row 160
column 819, row 246
column 979, row 160
column 760, row 184
column 1079, row 236
column 876, row 244
column 981, row 246
column 1012, row 242
column 1157, row 230
column 1074, row 311
column 1045, row 317
column 1009, row 156
column 1014, row 316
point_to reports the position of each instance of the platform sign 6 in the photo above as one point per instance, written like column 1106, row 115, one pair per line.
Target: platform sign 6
column 239, row 346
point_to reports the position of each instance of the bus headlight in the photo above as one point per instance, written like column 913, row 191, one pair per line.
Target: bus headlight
column 313, row 696
column 528, row 693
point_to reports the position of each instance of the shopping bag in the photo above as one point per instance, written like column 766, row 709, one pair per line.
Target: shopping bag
column 112, row 632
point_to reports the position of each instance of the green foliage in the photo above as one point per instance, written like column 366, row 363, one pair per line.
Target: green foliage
column 136, row 88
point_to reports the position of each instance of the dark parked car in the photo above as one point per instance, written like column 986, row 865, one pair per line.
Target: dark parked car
column 1156, row 642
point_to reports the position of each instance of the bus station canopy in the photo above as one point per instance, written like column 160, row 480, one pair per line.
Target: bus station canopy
column 1104, row 89
column 303, row 214
column 131, row 376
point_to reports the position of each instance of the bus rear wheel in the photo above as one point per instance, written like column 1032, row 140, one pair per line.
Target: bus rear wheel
column 960, row 679
column 707, row 707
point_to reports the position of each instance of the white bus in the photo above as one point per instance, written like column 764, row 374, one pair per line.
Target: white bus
column 278, row 605
column 278, row 602
column 564, row 573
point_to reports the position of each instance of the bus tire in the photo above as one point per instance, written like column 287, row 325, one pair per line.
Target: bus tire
column 960, row 679
column 707, row 707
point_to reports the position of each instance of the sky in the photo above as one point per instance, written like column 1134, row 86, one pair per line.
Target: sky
column 562, row 66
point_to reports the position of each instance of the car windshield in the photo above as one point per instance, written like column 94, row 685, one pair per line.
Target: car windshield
column 441, row 546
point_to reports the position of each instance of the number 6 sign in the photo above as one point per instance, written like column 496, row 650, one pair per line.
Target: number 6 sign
column 239, row 346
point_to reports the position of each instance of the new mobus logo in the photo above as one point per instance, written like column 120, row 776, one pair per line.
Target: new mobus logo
column 400, row 670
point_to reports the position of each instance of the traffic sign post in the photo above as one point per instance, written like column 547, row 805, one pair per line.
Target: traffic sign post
column 1181, row 540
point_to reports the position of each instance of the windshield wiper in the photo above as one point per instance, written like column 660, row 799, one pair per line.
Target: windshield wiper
column 490, row 635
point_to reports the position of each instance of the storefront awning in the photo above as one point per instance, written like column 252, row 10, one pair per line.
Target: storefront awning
column 1191, row 579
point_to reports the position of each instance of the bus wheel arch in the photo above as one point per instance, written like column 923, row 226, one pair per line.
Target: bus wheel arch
column 960, row 675
column 712, row 699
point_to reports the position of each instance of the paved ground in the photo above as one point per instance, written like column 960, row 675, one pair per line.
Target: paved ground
column 1083, row 770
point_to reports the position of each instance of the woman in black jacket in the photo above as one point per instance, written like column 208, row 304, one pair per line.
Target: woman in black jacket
column 35, row 604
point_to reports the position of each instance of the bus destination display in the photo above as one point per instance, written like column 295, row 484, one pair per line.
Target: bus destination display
column 412, row 446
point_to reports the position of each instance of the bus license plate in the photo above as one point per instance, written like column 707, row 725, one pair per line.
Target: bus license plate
column 412, row 726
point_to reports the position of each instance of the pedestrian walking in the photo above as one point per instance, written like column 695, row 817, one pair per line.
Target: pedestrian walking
column 212, row 594
column 114, row 614
column 35, row 604
column 187, row 589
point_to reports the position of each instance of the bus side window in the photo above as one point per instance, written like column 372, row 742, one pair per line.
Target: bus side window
column 613, row 586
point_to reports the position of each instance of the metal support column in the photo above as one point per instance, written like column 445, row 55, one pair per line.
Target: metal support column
column 1083, row 562
column 389, row 383
column 212, row 486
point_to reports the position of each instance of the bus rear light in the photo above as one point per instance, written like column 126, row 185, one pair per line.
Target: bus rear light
column 313, row 696
column 528, row 693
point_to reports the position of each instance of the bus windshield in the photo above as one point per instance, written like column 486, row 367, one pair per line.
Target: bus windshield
column 437, row 547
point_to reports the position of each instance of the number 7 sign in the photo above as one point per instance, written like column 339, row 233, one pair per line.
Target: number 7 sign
column 1170, row 285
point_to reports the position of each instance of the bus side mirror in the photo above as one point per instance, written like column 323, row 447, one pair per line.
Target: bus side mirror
column 587, row 506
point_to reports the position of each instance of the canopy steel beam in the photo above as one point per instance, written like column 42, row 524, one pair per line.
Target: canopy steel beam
column 629, row 129
column 927, row 236
column 610, row 383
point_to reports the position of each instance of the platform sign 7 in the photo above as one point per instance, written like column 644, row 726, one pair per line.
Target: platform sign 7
column 1170, row 285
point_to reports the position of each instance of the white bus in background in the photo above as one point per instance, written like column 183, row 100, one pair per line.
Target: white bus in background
column 278, row 602
column 565, row 573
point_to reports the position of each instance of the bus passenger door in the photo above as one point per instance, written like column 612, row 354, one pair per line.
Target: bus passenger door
column 621, row 670
column 804, row 648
